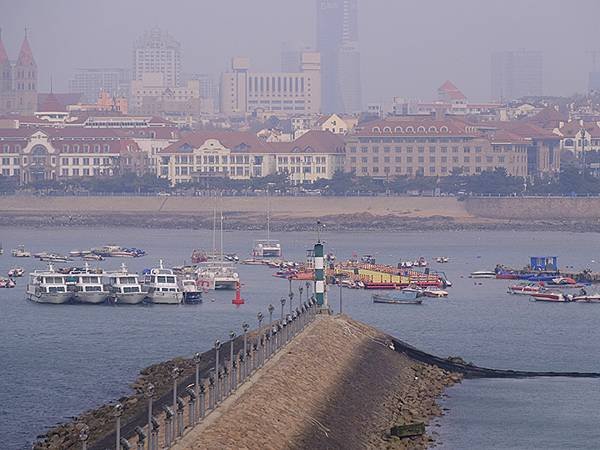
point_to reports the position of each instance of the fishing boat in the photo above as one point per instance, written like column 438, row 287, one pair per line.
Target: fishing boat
column 162, row 286
column 16, row 272
column 87, row 286
column 192, row 294
column 125, row 287
column 550, row 296
column 482, row 274
column 397, row 298
column 7, row 283
column 20, row 252
column 525, row 289
column 48, row 286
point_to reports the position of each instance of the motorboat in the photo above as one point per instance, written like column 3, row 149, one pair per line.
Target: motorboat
column 20, row 252
column 252, row 262
column 435, row 293
column 442, row 259
column 16, row 272
column 125, row 287
column 87, row 286
column 116, row 251
column 551, row 296
column 397, row 298
column 162, row 286
column 48, row 286
column 421, row 262
column 192, row 294
column 593, row 298
column 525, row 289
column 1, row 249
column 483, row 274
column 7, row 283
column 52, row 257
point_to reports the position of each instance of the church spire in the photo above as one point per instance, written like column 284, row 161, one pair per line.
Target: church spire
column 25, row 54
column 3, row 54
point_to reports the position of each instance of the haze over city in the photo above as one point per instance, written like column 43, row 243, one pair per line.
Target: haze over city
column 408, row 48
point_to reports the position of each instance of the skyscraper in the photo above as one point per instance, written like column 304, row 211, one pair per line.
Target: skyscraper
column 157, row 52
column 517, row 74
column 337, row 41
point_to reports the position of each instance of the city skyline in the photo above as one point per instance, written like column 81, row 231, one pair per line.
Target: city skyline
column 398, row 56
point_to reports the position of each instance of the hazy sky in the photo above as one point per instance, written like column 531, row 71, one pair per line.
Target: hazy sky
column 408, row 47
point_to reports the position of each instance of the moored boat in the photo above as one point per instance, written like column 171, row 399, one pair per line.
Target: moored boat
column 593, row 298
column 397, row 298
column 483, row 274
column 192, row 294
column 7, row 283
column 48, row 286
column 435, row 293
column 88, row 286
column 550, row 296
column 162, row 286
column 16, row 272
column 125, row 287
column 20, row 252
column 525, row 289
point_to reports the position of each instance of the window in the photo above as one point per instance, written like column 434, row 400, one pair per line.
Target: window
column 387, row 130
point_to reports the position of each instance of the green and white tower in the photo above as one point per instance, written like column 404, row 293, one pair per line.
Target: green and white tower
column 319, row 266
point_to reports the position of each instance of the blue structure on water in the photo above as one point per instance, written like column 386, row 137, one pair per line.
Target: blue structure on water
column 544, row 263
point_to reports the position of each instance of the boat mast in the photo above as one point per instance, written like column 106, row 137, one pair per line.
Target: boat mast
column 214, row 233
column 221, row 236
column 268, row 217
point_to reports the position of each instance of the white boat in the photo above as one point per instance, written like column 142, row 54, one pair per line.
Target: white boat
column 52, row 257
column 192, row 294
column 442, row 259
column 482, row 274
column 20, row 252
column 162, row 286
column 16, row 272
column 1, row 249
column 88, row 286
column 435, row 293
column 217, row 276
column 48, row 286
column 125, row 287
column 266, row 248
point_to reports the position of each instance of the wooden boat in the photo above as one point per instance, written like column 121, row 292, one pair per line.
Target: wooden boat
column 397, row 298
column 554, row 297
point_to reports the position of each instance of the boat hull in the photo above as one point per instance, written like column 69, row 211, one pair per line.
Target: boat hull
column 91, row 298
column 165, row 298
column 134, row 298
column 53, row 299
column 225, row 285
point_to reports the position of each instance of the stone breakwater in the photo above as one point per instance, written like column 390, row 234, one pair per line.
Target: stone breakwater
column 338, row 384
column 301, row 213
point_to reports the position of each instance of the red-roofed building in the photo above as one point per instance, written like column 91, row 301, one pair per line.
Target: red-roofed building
column 429, row 146
column 18, row 81
column 53, row 153
column 241, row 155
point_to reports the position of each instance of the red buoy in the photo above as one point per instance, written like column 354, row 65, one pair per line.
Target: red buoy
column 238, row 300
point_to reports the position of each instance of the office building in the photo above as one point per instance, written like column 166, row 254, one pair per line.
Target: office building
column 517, row 74
column 91, row 82
column 337, row 41
column 277, row 93
column 157, row 52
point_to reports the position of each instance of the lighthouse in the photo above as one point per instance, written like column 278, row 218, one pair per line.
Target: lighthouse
column 319, row 265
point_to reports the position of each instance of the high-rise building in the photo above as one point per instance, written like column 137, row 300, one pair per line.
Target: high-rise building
column 337, row 41
column 291, row 56
column 517, row 74
column 157, row 52
column 18, row 81
column 279, row 93
column 91, row 82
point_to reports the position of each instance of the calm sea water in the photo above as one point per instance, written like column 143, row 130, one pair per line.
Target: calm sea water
column 57, row 361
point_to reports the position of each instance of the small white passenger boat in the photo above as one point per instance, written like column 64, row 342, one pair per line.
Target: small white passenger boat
column 48, row 286
column 20, row 252
column 162, row 286
column 88, row 286
column 125, row 287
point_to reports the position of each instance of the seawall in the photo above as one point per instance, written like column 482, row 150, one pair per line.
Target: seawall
column 534, row 208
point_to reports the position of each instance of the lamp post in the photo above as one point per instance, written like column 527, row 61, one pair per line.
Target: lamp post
column 245, row 327
column 307, row 285
column 217, row 348
column 282, row 305
column 291, row 295
column 300, row 290
column 118, row 411
column 84, row 434
column 340, row 298
column 270, row 308
column 149, row 393
column 174, row 376
column 260, row 318
column 197, row 360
